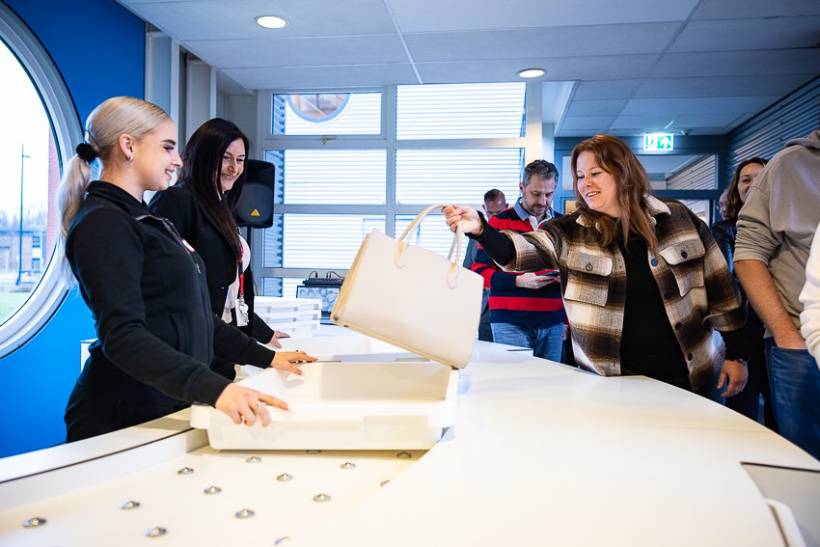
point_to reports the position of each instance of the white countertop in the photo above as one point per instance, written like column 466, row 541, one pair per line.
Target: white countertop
column 542, row 454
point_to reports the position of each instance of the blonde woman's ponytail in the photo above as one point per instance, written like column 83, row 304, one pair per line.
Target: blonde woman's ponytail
column 76, row 176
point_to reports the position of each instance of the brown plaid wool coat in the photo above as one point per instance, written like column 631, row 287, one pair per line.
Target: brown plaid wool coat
column 698, row 292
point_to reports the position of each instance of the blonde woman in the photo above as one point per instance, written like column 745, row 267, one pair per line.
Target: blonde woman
column 642, row 280
column 145, row 286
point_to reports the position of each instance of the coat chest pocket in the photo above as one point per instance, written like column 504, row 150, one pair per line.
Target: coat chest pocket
column 685, row 260
column 588, row 278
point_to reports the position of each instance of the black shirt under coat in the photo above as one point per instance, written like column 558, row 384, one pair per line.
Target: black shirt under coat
column 152, row 314
column 648, row 343
column 180, row 205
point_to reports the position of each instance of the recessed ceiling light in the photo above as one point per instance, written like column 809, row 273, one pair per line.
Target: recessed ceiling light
column 531, row 72
column 271, row 21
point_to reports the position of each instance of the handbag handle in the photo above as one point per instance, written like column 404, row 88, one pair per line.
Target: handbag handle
column 452, row 274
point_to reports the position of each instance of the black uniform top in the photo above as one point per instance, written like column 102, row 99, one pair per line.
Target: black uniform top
column 152, row 314
column 180, row 206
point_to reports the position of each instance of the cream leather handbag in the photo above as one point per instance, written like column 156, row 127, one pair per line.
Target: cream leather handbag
column 411, row 297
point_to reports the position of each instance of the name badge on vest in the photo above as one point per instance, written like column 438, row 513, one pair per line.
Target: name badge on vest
column 241, row 306
column 241, row 312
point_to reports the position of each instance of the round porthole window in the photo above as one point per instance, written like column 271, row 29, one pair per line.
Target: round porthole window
column 318, row 107
column 33, row 101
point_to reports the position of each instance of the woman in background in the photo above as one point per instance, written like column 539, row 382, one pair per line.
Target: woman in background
column 642, row 281
column 201, row 207
column 725, row 232
column 156, row 334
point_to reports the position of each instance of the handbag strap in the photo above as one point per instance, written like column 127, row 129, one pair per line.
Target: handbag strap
column 452, row 276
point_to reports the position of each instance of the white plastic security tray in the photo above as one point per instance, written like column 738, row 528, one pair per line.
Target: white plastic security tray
column 361, row 395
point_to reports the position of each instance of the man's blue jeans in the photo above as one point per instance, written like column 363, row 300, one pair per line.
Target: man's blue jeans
column 795, row 384
column 546, row 342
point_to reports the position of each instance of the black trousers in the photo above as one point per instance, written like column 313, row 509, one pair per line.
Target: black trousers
column 90, row 413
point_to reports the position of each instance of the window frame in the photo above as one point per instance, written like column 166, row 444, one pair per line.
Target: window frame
column 531, row 142
column 51, row 290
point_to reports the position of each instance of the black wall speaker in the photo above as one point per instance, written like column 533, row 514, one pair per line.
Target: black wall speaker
column 254, row 207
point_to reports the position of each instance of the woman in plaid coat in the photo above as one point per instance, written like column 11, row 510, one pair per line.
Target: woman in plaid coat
column 643, row 282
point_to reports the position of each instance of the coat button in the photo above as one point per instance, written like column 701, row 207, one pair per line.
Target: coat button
column 684, row 254
column 654, row 262
column 678, row 326
column 667, row 296
column 588, row 267
column 690, row 357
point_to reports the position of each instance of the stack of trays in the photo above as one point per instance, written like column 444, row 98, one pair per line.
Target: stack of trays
column 295, row 316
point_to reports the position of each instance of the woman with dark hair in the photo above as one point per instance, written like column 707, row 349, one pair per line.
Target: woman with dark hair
column 725, row 232
column 642, row 280
column 201, row 207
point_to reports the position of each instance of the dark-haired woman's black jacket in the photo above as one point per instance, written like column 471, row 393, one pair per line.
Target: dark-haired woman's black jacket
column 747, row 401
column 725, row 233
column 156, row 334
column 180, row 205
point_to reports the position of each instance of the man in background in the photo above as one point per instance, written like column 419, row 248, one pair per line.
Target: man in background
column 494, row 202
column 526, row 308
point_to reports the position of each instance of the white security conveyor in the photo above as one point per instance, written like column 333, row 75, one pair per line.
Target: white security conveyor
column 542, row 454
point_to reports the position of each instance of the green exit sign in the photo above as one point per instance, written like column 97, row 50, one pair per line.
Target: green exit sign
column 658, row 142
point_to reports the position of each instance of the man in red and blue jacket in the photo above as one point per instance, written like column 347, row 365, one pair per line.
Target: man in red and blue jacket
column 526, row 308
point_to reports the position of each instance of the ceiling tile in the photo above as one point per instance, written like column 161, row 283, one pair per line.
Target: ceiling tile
column 737, row 34
column 599, row 107
column 338, row 50
column 296, row 78
column 434, row 15
column 598, row 124
column 576, row 133
column 217, row 19
column 703, row 105
column 732, row 9
column 730, row 86
column 717, row 124
column 577, row 68
column 739, row 63
column 642, row 123
column 541, row 42
column 606, row 89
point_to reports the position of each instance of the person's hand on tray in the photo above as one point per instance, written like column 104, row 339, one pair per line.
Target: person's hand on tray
column 245, row 405
column 288, row 360
column 274, row 342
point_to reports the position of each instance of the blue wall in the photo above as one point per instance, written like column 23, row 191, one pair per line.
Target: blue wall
column 98, row 46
